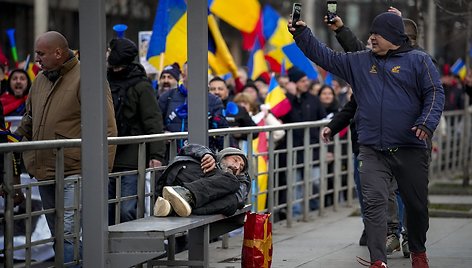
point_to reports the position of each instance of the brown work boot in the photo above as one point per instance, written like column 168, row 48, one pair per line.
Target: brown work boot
column 180, row 199
column 419, row 260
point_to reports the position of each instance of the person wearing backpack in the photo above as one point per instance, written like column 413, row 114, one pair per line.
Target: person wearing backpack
column 137, row 113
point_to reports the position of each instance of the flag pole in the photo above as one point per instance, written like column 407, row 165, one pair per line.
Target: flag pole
column 161, row 61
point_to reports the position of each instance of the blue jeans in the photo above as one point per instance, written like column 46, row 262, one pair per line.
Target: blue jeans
column 299, row 190
column 129, row 186
column 48, row 198
column 357, row 181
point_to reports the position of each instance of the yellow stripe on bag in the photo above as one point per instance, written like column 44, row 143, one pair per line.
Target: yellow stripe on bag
column 263, row 245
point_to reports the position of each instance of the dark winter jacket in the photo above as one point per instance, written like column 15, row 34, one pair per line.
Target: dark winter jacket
column 305, row 107
column 239, row 119
column 173, row 104
column 191, row 156
column 344, row 118
column 141, row 114
column 395, row 92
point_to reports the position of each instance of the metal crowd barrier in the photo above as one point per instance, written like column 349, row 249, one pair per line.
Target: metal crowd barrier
column 452, row 153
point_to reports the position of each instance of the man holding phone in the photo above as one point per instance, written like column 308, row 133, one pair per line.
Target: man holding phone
column 390, row 79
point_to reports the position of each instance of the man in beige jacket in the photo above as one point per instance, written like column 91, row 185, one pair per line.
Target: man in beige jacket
column 53, row 112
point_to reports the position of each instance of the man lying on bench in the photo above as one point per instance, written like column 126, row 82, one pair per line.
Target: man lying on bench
column 198, row 181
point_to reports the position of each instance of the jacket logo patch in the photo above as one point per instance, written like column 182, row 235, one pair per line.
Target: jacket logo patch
column 396, row 69
column 373, row 69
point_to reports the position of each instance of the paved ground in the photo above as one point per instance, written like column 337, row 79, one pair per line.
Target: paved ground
column 331, row 241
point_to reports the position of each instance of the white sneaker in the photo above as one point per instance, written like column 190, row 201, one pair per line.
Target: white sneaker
column 179, row 198
column 162, row 207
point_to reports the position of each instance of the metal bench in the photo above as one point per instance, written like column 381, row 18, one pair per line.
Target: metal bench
column 140, row 240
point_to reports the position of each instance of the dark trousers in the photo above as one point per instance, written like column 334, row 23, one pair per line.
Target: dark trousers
column 409, row 166
column 213, row 193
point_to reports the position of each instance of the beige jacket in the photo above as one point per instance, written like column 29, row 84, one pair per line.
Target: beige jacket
column 53, row 112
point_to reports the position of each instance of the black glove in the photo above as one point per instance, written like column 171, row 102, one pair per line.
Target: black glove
column 298, row 30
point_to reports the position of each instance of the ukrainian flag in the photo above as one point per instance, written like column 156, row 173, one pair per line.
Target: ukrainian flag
column 219, row 58
column 169, row 34
column 242, row 14
column 257, row 64
column 459, row 68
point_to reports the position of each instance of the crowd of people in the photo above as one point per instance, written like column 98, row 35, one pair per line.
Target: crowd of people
column 391, row 156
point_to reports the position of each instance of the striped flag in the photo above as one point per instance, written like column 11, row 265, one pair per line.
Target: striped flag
column 168, row 42
column 257, row 64
column 276, row 99
column 296, row 56
column 219, row 58
column 459, row 68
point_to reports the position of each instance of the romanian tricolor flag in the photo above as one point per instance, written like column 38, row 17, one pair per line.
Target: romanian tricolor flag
column 219, row 58
column 260, row 149
column 275, row 28
column 33, row 70
column 296, row 56
column 257, row 64
column 6, row 131
column 459, row 68
column 242, row 14
column 277, row 61
column 328, row 79
column 276, row 99
column 169, row 34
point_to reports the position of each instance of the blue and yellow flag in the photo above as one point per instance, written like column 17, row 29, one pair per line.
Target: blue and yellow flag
column 219, row 58
column 242, row 14
column 275, row 28
column 169, row 34
column 296, row 56
column 257, row 64
column 459, row 68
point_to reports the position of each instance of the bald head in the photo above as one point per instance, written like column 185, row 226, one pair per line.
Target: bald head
column 52, row 50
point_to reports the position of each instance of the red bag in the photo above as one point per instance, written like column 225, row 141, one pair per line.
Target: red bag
column 257, row 245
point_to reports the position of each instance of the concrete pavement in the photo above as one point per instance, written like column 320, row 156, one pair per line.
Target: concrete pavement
column 331, row 241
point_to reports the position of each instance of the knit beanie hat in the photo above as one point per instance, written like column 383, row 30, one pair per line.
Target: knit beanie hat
column 390, row 27
column 232, row 151
column 122, row 52
column 10, row 77
column 295, row 74
column 173, row 70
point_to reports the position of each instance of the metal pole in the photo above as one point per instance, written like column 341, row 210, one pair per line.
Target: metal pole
column 9, row 223
column 41, row 17
column 308, row 13
column 197, row 27
column 94, row 132
column 467, row 116
column 431, row 28
column 141, row 179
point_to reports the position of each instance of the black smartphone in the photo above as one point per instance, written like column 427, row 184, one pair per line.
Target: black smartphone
column 296, row 13
column 331, row 13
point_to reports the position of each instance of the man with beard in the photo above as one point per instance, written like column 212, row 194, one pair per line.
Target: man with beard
column 202, row 183
column 169, row 78
column 136, row 113
column 14, row 99
column 236, row 115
